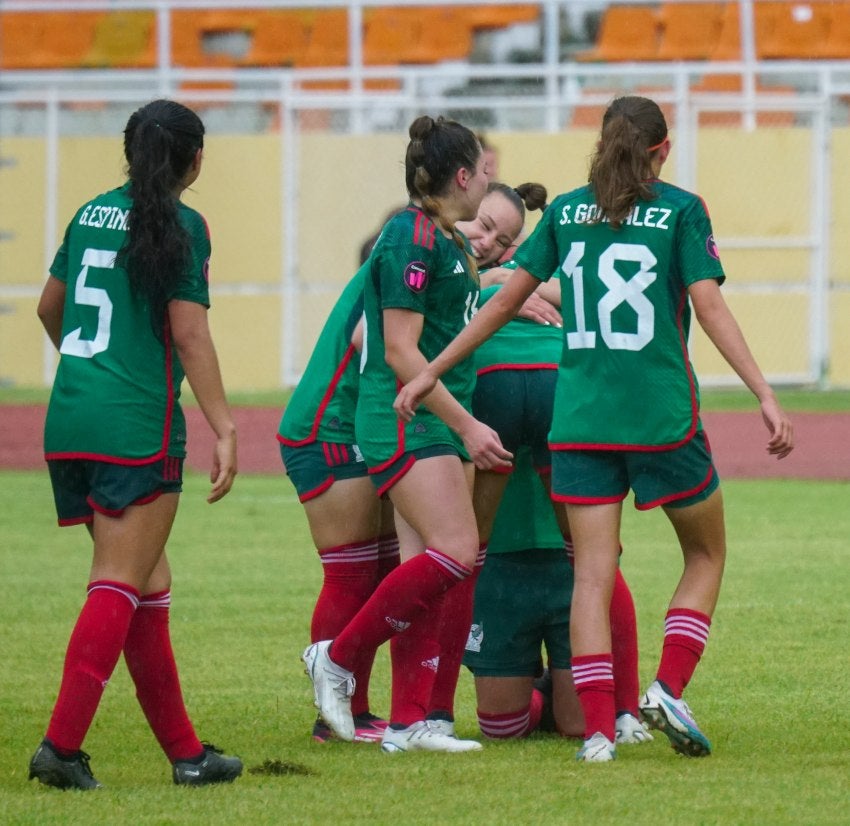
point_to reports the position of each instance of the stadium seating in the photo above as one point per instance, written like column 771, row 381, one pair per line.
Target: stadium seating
column 689, row 31
column 625, row 33
column 797, row 30
column 125, row 39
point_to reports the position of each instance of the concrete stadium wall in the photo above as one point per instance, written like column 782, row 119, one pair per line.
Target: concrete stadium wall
column 755, row 184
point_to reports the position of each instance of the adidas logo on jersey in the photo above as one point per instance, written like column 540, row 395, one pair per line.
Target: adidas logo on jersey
column 397, row 625
column 459, row 270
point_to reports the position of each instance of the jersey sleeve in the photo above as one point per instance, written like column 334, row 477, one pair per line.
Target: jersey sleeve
column 194, row 283
column 696, row 250
column 538, row 254
column 403, row 271
column 59, row 267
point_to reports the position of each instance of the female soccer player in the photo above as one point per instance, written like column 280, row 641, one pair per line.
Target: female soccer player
column 352, row 527
column 126, row 307
column 633, row 253
column 422, row 290
column 519, row 363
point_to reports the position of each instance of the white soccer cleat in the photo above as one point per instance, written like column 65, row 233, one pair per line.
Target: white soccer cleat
column 597, row 749
column 666, row 713
column 424, row 736
column 333, row 686
column 631, row 730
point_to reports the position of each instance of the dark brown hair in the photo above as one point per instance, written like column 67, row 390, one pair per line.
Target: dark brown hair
column 525, row 196
column 437, row 149
column 632, row 128
column 161, row 140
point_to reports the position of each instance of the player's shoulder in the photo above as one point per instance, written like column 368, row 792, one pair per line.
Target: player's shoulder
column 677, row 196
column 410, row 227
column 193, row 220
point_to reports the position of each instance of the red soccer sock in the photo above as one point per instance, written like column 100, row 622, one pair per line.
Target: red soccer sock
column 349, row 578
column 453, row 634
column 403, row 596
column 685, row 636
column 388, row 555
column 150, row 661
column 515, row 723
column 624, row 648
column 93, row 651
column 416, row 659
column 593, row 676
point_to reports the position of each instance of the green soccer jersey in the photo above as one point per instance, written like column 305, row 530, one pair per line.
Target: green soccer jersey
column 625, row 377
column 323, row 404
column 115, row 395
column 413, row 267
column 521, row 344
column 525, row 518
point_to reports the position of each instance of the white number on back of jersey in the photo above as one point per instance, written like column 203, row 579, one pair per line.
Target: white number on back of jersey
column 73, row 344
column 620, row 291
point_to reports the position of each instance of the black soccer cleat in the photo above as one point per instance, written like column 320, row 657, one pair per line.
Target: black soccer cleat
column 214, row 768
column 52, row 769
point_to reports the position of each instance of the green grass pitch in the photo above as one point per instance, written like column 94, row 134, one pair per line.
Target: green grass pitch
column 770, row 693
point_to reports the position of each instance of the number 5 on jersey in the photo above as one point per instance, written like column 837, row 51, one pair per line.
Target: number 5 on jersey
column 73, row 344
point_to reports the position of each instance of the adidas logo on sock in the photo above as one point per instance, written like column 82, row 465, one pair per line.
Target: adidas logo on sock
column 397, row 625
column 432, row 665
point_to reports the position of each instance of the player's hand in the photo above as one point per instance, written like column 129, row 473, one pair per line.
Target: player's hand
column 781, row 441
column 411, row 395
column 223, row 470
column 485, row 447
column 540, row 310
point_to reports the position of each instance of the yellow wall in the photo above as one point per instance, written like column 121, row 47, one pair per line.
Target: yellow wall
column 756, row 184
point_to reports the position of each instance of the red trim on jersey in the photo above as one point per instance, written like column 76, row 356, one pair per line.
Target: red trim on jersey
column 76, row 520
column 588, row 500
column 496, row 367
column 411, row 461
column 312, row 494
column 424, row 229
column 98, row 457
column 326, row 399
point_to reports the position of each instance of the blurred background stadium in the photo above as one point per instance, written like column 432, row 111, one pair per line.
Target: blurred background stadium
column 307, row 105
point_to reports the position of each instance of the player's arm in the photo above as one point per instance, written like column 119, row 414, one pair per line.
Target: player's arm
column 720, row 326
column 402, row 331
column 500, row 309
column 194, row 344
column 51, row 308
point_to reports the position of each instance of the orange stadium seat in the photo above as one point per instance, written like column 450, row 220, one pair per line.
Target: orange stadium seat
column 798, row 29
column 836, row 44
column 728, row 46
column 190, row 29
column 689, row 31
column 280, row 37
column 485, row 16
column 328, row 41
column 391, row 34
column 45, row 40
column 124, row 39
column 445, row 34
column 625, row 33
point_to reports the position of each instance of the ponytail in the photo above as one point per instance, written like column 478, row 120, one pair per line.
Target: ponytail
column 632, row 128
column 161, row 141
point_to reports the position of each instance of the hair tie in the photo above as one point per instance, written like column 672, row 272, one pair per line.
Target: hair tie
column 657, row 145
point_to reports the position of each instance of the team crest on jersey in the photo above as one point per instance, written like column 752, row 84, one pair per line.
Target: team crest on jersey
column 475, row 638
column 416, row 276
column 711, row 247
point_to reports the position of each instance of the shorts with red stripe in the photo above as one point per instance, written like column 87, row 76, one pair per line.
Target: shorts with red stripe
column 83, row 486
column 314, row 467
column 675, row 477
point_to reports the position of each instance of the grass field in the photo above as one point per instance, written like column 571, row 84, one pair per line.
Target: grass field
column 771, row 692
